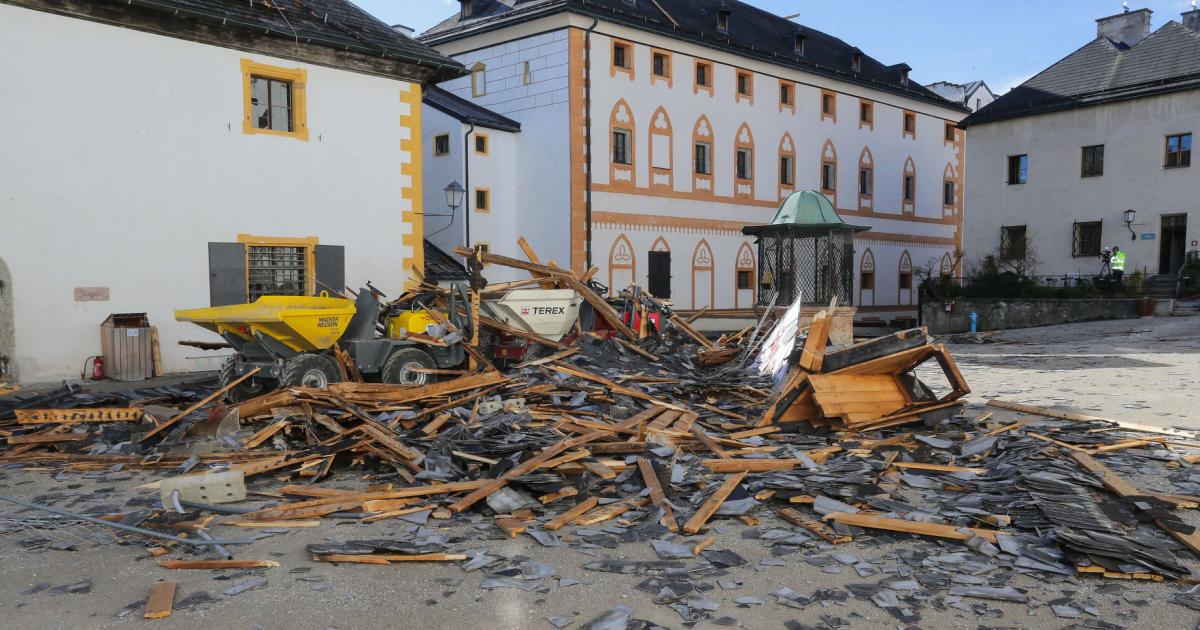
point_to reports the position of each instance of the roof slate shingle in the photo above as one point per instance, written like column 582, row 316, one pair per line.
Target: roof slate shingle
column 467, row 111
column 1100, row 72
column 752, row 32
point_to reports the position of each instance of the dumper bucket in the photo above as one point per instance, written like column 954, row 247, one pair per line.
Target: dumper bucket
column 301, row 323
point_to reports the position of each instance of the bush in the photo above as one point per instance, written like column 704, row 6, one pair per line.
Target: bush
column 1191, row 278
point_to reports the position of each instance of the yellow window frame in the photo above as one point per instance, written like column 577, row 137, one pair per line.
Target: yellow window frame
column 487, row 197
column 487, row 144
column 309, row 243
column 297, row 77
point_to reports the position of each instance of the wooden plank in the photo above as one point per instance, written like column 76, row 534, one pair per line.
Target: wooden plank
column 564, row 519
column 161, row 600
column 610, row 511
column 600, row 470
column 1079, row 417
column 813, row 354
column 696, row 523
column 709, row 443
column 264, row 434
column 156, row 354
column 795, row 517
column 696, row 335
column 218, row 564
column 523, row 334
column 723, row 412
column 1070, row 447
column 73, row 416
column 549, row 453
column 750, row 465
column 204, row 401
column 389, row 558
column 871, row 521
column 48, row 438
column 635, row 349
column 350, row 558
column 657, row 497
column 271, row 524
column 939, row 468
column 616, row 389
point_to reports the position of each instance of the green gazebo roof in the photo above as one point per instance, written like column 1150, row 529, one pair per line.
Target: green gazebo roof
column 805, row 209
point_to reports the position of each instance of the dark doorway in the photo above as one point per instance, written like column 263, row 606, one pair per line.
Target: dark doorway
column 1172, row 245
column 660, row 275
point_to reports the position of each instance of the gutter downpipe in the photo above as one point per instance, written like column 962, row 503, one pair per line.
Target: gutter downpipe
column 468, row 198
column 587, row 123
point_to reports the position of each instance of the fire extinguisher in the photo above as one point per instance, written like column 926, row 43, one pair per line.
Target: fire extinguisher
column 97, row 367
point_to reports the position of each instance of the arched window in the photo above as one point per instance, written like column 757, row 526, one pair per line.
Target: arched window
column 904, row 294
column 702, row 156
column 866, row 279
column 908, row 188
column 658, row 269
column 478, row 80
column 622, row 264
column 703, row 278
column 950, row 192
column 622, row 147
column 828, row 177
column 662, row 150
column 866, row 180
column 947, row 268
column 743, row 162
column 787, row 166
column 745, row 277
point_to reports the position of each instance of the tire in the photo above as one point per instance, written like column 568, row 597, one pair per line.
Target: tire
column 310, row 370
column 247, row 389
column 395, row 369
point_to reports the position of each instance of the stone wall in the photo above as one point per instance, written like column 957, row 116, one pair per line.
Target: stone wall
column 1002, row 314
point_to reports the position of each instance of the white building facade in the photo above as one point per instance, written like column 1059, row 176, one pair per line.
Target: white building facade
column 690, row 140
column 1057, row 163
column 158, row 160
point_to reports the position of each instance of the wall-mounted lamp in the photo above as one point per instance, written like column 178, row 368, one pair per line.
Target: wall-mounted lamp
column 1129, row 216
column 454, row 195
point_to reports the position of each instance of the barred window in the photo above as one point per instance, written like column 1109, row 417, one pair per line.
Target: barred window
column 1086, row 239
column 1092, row 161
column 276, row 270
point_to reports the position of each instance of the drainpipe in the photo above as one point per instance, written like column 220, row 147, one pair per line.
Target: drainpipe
column 587, row 123
column 468, row 197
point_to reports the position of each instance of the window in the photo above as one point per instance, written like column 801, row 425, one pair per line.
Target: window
column 702, row 162
column 828, row 105
column 1018, row 169
column 745, row 164
column 620, row 147
column 1085, row 241
column 526, row 74
column 478, row 80
column 1012, row 242
column 905, row 280
column 745, row 279
column 865, row 182
column 910, row 187
column 948, row 196
column 856, row 62
column 274, row 100
column 276, row 270
column 723, row 21
column 662, row 65
column 910, row 124
column 481, row 144
column 621, row 56
column 1179, row 151
column 745, row 83
column 950, row 131
column 866, row 280
column 785, row 170
column 798, row 44
column 483, row 200
column 703, row 75
column 866, row 112
column 441, row 144
column 1092, row 162
column 785, row 94
column 828, row 176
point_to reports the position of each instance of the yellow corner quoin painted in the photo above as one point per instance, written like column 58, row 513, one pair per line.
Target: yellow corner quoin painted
column 309, row 243
column 298, row 77
column 412, row 194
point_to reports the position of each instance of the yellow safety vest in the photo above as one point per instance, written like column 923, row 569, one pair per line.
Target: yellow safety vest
column 1118, row 261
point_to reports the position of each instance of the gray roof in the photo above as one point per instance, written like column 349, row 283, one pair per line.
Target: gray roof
column 1168, row 60
column 956, row 92
column 467, row 111
column 752, row 32
column 337, row 24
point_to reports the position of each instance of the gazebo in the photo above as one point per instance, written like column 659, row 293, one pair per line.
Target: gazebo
column 806, row 251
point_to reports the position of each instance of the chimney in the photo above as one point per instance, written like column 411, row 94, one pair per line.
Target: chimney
column 1127, row 28
column 1191, row 19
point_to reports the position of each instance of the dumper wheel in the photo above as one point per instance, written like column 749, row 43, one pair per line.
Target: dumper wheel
column 310, row 370
column 397, row 370
column 247, row 389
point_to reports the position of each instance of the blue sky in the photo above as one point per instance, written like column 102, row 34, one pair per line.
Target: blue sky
column 1003, row 42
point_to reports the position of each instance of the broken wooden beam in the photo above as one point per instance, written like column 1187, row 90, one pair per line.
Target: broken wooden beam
column 714, row 501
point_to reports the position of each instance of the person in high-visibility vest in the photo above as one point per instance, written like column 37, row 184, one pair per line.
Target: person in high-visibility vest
column 1118, row 264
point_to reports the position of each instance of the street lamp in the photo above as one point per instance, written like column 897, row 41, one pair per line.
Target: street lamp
column 1129, row 216
column 454, row 195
